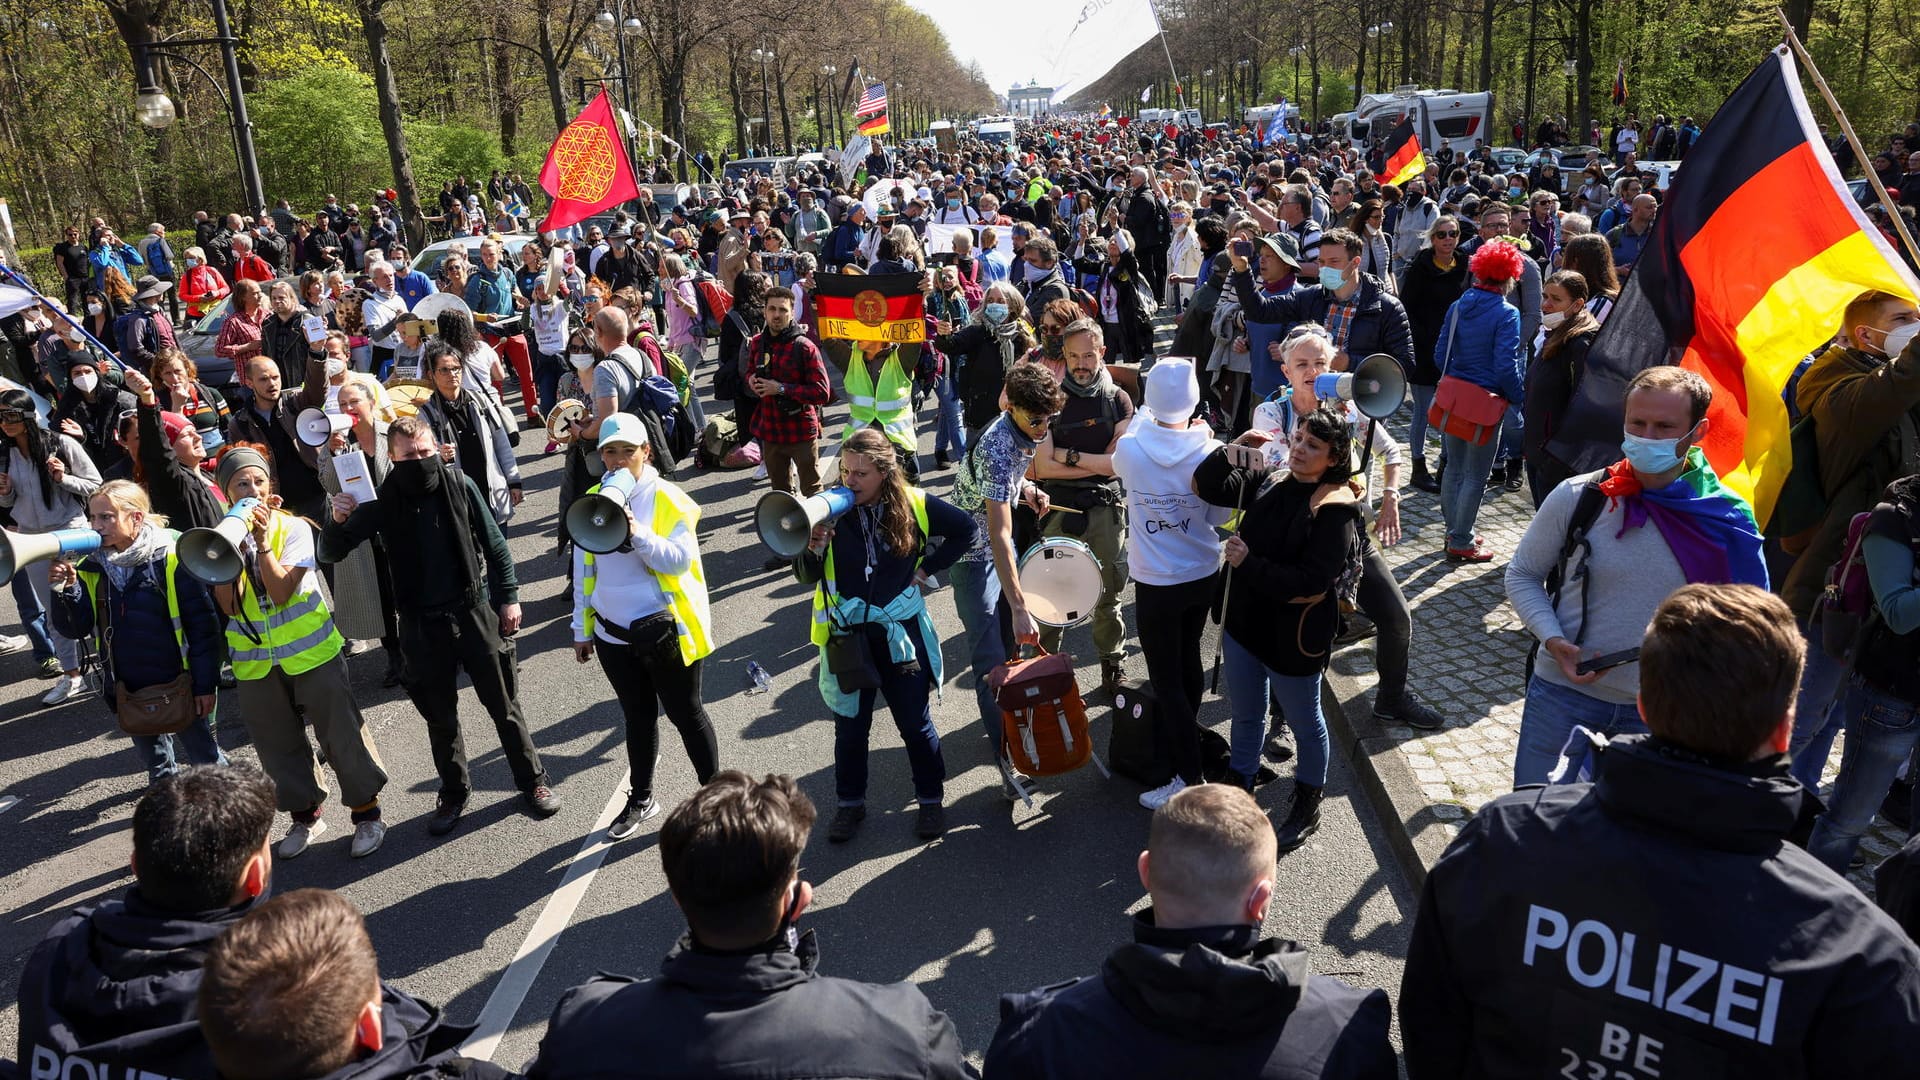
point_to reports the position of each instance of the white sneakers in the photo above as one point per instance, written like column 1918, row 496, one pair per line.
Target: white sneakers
column 367, row 838
column 1157, row 798
column 64, row 690
column 302, row 834
column 13, row 643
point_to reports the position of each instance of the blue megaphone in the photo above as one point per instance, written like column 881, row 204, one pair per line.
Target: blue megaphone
column 19, row 549
column 785, row 522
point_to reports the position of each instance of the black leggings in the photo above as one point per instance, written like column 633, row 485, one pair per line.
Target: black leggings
column 647, row 681
column 1172, row 620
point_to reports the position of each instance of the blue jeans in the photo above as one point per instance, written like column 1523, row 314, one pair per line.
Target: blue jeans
column 1417, row 428
column 1299, row 699
column 33, row 619
column 1511, row 427
column 907, row 694
column 546, row 376
column 1816, row 721
column 1464, row 486
column 160, row 754
column 988, row 622
column 1548, row 717
column 1881, row 733
column 949, row 435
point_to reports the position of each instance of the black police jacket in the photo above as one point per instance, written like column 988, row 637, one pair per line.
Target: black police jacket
column 417, row 1045
column 1210, row 1002
column 1653, row 923
column 763, row 1013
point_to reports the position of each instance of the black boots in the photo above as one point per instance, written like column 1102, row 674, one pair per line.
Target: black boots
column 1516, row 472
column 1303, row 817
column 1426, row 482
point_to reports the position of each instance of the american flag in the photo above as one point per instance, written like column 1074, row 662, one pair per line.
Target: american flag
column 873, row 100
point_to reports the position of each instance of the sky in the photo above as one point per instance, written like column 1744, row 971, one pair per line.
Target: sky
column 985, row 31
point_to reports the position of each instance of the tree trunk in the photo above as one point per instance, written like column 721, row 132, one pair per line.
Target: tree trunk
column 786, row 117
column 1583, row 61
column 550, row 67
column 509, row 98
column 740, row 132
column 1486, row 44
column 373, row 21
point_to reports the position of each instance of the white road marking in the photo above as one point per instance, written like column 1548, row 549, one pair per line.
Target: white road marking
column 511, row 991
column 7, row 801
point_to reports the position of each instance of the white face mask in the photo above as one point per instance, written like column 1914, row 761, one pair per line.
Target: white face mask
column 86, row 383
column 1551, row 319
column 336, row 368
column 581, row 360
column 1899, row 337
column 93, row 309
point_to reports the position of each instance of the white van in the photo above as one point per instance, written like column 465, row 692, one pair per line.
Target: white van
column 1440, row 117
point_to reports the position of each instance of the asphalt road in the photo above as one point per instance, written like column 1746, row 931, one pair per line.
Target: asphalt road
column 1012, row 898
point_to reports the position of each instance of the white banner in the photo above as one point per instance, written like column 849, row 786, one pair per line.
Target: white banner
column 1089, row 38
column 14, row 299
column 939, row 239
column 854, row 156
column 882, row 190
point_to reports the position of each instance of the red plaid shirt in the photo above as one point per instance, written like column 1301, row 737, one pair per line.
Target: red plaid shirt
column 796, row 364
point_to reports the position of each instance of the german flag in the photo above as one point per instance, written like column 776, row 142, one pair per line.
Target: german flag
column 870, row 307
column 1716, row 292
column 874, row 125
column 1405, row 160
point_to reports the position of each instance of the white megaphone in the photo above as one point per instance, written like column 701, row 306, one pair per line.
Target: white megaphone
column 19, row 549
column 213, row 555
column 786, row 522
column 598, row 521
column 1376, row 387
column 315, row 427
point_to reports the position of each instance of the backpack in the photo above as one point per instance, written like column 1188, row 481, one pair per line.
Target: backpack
column 1586, row 511
column 1043, row 721
column 656, row 400
column 1845, row 607
column 714, row 302
column 718, row 443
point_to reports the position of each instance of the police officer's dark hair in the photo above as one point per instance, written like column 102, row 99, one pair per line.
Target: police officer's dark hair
column 730, row 852
column 1719, row 669
column 194, row 831
column 282, row 990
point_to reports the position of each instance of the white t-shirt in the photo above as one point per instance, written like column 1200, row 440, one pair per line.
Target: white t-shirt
column 477, row 375
column 1626, row 140
column 296, row 552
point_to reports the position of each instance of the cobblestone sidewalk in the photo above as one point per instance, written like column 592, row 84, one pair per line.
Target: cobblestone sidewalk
column 1469, row 662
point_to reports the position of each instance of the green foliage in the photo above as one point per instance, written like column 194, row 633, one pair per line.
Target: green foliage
column 449, row 150
column 323, row 129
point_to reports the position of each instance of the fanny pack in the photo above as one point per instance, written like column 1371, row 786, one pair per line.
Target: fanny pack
column 657, row 633
column 155, row 710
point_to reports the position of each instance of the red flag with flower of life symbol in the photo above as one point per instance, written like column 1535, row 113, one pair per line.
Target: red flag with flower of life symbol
column 587, row 169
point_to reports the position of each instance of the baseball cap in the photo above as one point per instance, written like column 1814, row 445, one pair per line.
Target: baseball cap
column 622, row 427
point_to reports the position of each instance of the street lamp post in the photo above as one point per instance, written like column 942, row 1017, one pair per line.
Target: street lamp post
column 156, row 110
column 612, row 21
column 833, row 101
column 762, row 56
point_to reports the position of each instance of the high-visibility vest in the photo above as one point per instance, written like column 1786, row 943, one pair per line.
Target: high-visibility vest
column 91, row 582
column 686, row 591
column 298, row 637
column 890, row 404
column 826, row 595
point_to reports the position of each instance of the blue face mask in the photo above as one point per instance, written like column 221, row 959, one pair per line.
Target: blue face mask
column 1331, row 278
column 1653, row 455
column 953, row 204
column 996, row 313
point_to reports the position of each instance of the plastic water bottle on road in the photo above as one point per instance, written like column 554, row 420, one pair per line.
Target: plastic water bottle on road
column 762, row 682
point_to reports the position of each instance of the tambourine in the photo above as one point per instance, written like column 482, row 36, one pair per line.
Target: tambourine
column 561, row 419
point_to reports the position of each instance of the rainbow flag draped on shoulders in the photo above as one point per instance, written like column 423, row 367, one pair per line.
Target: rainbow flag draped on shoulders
column 1709, row 528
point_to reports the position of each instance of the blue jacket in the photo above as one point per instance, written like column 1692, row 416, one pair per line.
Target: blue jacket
column 1217, row 1001
column 1480, row 342
column 843, row 246
column 1268, row 374
column 144, row 651
column 414, row 286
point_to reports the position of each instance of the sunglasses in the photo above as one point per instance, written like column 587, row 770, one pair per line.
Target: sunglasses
column 1445, row 235
column 12, row 416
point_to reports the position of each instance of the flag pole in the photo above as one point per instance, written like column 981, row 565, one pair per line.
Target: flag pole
column 21, row 281
column 1846, row 128
column 1179, row 88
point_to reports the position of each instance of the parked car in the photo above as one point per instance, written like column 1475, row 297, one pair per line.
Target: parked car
column 1508, row 158
column 428, row 261
column 667, row 196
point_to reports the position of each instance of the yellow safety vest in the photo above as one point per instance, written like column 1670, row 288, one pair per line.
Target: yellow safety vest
column 298, row 637
column 891, row 404
column 686, row 592
column 91, row 582
column 826, row 595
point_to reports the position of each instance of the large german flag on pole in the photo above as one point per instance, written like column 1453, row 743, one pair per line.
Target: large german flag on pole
column 1404, row 157
column 878, row 307
column 1757, row 250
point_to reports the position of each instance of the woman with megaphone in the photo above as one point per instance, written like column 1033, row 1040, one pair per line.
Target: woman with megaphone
column 643, row 608
column 45, row 479
column 870, row 622
column 154, row 625
column 287, row 658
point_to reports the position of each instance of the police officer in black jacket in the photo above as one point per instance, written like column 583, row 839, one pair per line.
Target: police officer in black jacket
column 1655, row 922
column 1198, row 992
column 739, row 994
column 111, row 988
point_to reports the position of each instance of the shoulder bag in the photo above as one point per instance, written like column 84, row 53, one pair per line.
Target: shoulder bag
column 163, row 709
column 1462, row 408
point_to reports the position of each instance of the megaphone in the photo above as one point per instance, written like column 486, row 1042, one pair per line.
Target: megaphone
column 1376, row 387
column 786, row 521
column 213, row 555
column 598, row 521
column 19, row 549
column 315, row 427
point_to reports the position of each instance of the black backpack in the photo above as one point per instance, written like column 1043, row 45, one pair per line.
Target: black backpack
column 1585, row 512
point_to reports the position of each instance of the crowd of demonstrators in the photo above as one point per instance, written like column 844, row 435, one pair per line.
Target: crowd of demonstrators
column 1217, row 481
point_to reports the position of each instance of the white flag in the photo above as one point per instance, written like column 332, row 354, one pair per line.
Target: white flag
column 1086, row 40
column 1146, row 95
column 853, row 156
column 14, row 298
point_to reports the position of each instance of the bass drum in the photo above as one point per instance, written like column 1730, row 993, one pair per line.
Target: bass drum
column 406, row 397
column 1061, row 578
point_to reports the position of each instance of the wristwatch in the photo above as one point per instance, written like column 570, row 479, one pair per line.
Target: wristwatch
column 1073, row 458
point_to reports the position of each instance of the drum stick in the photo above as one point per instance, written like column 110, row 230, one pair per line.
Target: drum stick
column 1226, row 590
column 1064, row 510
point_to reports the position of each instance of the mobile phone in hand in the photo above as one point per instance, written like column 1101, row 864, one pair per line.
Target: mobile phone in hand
column 1243, row 248
column 1604, row 663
